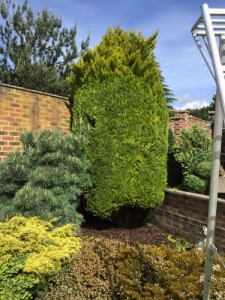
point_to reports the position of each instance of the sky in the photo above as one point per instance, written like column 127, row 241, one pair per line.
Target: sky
column 180, row 61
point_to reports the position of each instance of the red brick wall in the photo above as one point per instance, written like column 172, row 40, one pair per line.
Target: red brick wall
column 184, row 214
column 22, row 109
column 182, row 120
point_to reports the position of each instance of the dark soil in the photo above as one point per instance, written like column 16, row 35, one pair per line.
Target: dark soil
column 146, row 234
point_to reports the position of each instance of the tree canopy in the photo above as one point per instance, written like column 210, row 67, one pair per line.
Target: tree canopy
column 35, row 51
column 120, row 53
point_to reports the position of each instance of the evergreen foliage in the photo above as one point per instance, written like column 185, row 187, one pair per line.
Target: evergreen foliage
column 120, row 53
column 160, row 273
column 195, row 184
column 193, row 151
column 35, row 52
column 105, row 270
column 32, row 253
column 202, row 112
column 174, row 169
column 192, row 147
column 128, row 143
column 45, row 180
column 91, row 275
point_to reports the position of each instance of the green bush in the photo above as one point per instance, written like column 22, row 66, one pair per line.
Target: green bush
column 193, row 151
column 160, row 273
column 192, row 147
column 92, row 274
column 45, row 180
column 194, row 184
column 32, row 253
column 128, row 144
column 203, row 170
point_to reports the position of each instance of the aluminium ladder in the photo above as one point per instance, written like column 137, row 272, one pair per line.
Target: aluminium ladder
column 210, row 29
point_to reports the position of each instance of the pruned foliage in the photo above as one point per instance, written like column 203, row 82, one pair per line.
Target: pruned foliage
column 128, row 144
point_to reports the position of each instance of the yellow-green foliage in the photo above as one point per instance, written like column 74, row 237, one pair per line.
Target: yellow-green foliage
column 160, row 273
column 32, row 252
column 92, row 275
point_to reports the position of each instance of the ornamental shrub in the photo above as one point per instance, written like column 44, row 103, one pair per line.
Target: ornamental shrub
column 194, row 184
column 193, row 151
column 91, row 275
column 203, row 170
column 191, row 148
column 45, row 180
column 32, row 253
column 160, row 273
column 128, row 144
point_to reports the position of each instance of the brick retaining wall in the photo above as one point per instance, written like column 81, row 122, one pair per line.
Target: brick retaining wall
column 184, row 214
column 22, row 109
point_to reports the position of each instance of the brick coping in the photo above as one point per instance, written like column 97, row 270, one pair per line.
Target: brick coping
column 192, row 195
column 32, row 91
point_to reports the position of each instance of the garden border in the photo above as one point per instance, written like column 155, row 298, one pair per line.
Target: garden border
column 184, row 214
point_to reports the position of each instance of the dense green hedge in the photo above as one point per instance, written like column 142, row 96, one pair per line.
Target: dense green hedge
column 128, row 144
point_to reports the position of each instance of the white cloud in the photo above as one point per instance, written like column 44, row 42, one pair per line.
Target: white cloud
column 190, row 101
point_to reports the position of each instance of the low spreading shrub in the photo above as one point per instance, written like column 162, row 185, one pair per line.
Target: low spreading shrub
column 160, row 273
column 92, row 275
column 32, row 253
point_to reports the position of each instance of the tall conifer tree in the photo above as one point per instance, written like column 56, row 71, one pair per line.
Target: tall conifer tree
column 118, row 91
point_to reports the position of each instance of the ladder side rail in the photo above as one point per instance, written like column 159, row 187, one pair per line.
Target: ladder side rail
column 220, row 103
column 206, row 59
column 199, row 21
column 217, row 66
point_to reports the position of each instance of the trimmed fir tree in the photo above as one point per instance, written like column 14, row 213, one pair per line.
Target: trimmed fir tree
column 128, row 143
column 120, row 53
column 50, row 177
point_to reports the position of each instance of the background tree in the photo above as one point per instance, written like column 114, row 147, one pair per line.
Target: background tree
column 120, row 53
column 35, row 52
column 202, row 112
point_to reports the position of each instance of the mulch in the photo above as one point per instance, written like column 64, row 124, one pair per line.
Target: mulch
column 147, row 234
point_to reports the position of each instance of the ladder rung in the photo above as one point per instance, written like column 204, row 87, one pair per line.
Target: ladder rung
column 214, row 27
column 218, row 21
column 203, row 32
column 217, row 11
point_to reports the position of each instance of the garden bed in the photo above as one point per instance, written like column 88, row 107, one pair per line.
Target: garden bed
column 148, row 234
